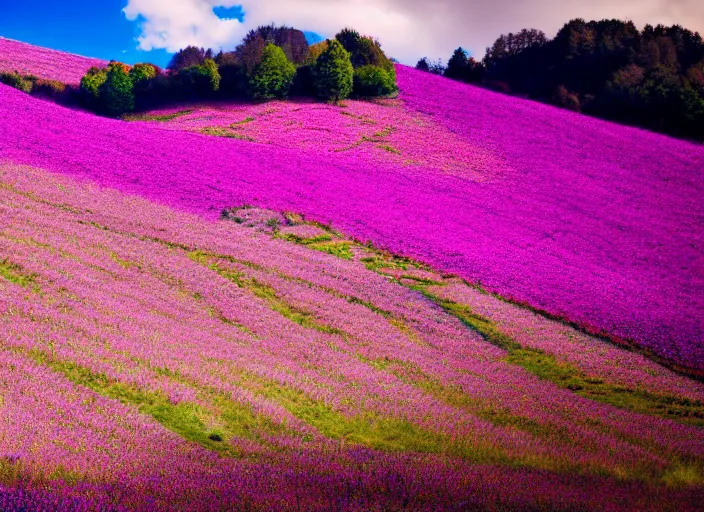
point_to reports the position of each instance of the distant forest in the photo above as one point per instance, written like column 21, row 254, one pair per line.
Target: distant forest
column 652, row 78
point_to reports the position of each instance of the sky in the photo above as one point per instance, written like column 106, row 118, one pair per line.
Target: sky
column 149, row 30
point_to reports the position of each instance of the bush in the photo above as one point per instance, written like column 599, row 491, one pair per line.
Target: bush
column 373, row 81
column 117, row 93
column 52, row 89
column 273, row 76
column 334, row 74
column 17, row 81
column 199, row 81
column 90, row 86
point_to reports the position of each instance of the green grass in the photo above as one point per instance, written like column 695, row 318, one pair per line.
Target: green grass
column 244, row 121
column 218, row 131
column 211, row 430
column 17, row 275
column 370, row 429
column 567, row 376
column 155, row 117
column 265, row 292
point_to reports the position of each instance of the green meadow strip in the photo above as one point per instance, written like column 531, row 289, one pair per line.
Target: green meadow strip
column 189, row 420
column 565, row 375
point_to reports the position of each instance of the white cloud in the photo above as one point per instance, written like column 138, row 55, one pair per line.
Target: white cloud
column 408, row 29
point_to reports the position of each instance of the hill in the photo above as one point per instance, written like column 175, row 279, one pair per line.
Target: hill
column 586, row 220
column 163, row 361
column 44, row 62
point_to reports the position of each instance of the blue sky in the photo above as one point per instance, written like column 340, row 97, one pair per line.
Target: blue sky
column 92, row 28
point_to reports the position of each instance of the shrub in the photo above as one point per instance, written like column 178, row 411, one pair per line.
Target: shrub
column 273, row 76
column 117, row 93
column 142, row 73
column 90, row 86
column 567, row 99
column 50, row 89
column 199, row 81
column 17, row 81
column 334, row 74
column 373, row 81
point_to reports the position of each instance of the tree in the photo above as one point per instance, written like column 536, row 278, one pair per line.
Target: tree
column 423, row 65
column 90, row 86
column 334, row 74
column 292, row 41
column 457, row 65
column 117, row 93
column 199, row 81
column 189, row 57
column 273, row 76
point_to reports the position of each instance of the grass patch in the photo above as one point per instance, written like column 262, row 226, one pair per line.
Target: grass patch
column 341, row 249
column 370, row 429
column 567, row 376
column 16, row 275
column 244, row 121
column 212, row 429
column 162, row 118
column 218, row 131
column 265, row 292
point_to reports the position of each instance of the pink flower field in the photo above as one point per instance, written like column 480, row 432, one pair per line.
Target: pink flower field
column 43, row 62
column 452, row 300
column 586, row 220
column 164, row 361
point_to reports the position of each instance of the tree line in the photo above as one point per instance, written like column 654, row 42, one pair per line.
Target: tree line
column 652, row 78
column 270, row 63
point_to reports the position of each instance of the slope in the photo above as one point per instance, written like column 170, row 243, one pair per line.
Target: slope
column 587, row 220
column 162, row 361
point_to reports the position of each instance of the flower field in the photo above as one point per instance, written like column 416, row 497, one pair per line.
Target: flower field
column 43, row 62
column 588, row 221
column 166, row 361
column 452, row 300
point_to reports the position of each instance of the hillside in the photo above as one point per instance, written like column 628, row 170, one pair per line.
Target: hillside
column 165, row 361
column 44, row 62
column 451, row 300
column 587, row 220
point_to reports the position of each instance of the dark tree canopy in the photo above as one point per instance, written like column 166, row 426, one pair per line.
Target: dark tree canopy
column 292, row 41
column 651, row 78
column 189, row 57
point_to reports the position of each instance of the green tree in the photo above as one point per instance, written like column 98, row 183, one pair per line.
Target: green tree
column 273, row 76
column 90, row 86
column 117, row 92
column 334, row 74
column 458, row 65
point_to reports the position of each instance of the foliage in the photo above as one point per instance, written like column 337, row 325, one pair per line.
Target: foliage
column 373, row 81
column 91, row 83
column 334, row 74
column 273, row 76
column 464, row 68
column 423, row 65
column 292, row 41
column 316, row 51
column 16, row 80
column 189, row 57
column 116, row 94
column 609, row 69
column 198, row 81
